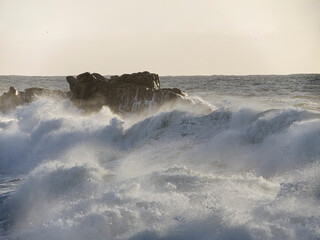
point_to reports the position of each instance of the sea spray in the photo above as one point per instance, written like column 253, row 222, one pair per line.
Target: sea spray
column 181, row 172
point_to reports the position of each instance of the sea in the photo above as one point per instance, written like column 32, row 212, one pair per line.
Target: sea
column 240, row 160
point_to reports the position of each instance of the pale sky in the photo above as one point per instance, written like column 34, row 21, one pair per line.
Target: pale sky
column 168, row 37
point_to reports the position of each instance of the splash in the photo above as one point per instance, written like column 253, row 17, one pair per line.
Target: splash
column 174, row 173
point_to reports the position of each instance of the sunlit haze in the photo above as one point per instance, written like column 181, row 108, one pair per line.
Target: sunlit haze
column 168, row 37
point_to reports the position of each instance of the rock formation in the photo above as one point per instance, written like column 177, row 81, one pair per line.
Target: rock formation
column 122, row 94
column 13, row 98
column 10, row 100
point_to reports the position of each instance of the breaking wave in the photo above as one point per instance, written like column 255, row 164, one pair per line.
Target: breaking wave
column 184, row 172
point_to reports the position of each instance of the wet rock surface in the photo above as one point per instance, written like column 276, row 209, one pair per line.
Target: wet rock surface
column 125, row 93
column 14, row 98
column 91, row 91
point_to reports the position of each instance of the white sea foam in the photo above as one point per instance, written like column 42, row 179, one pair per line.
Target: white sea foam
column 182, row 172
column 174, row 175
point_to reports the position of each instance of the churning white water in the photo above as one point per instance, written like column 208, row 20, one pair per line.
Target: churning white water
column 240, row 162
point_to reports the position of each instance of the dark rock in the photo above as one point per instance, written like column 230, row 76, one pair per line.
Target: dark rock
column 122, row 94
column 13, row 98
column 10, row 100
column 125, row 93
column 149, row 80
column 85, row 85
column 99, row 77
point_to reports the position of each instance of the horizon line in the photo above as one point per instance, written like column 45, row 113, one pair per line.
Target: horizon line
column 174, row 75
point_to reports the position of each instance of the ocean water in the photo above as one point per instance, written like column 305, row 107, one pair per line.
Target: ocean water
column 240, row 161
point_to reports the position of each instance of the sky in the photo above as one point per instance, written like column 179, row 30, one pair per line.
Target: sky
column 168, row 37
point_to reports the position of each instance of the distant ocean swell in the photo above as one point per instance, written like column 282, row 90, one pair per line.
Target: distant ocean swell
column 174, row 174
